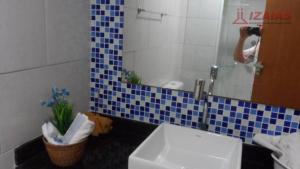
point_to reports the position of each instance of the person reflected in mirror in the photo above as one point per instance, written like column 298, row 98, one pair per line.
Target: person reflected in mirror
column 246, row 56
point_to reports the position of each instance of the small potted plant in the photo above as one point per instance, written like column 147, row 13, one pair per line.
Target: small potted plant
column 62, row 109
column 131, row 77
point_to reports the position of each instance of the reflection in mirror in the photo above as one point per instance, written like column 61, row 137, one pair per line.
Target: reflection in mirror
column 171, row 43
column 238, row 41
column 253, row 43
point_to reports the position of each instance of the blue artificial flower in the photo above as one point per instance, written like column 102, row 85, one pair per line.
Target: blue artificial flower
column 65, row 92
column 50, row 103
column 58, row 96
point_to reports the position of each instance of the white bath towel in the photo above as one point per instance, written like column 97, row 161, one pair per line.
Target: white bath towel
column 80, row 129
column 51, row 134
column 287, row 147
column 269, row 142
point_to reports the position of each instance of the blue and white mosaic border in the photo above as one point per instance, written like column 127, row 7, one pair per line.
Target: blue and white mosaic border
column 244, row 119
column 156, row 105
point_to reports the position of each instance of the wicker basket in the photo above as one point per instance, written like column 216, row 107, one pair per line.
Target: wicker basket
column 65, row 156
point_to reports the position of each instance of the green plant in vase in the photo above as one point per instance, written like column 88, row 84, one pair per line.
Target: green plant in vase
column 62, row 109
column 131, row 77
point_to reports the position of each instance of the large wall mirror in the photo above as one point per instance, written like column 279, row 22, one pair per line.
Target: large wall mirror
column 171, row 43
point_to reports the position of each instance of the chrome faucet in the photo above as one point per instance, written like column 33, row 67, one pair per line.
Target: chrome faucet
column 199, row 89
column 213, row 78
column 200, row 94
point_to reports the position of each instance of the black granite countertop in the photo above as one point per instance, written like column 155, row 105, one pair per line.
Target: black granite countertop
column 111, row 151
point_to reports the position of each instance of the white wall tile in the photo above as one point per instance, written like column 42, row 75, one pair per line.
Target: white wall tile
column 7, row 160
column 201, row 38
column 136, row 31
column 20, row 95
column 199, row 58
column 22, row 34
column 132, row 3
column 156, row 43
column 146, row 65
column 153, row 65
column 205, row 9
column 159, row 33
column 235, row 81
column 153, row 5
column 175, row 29
column 176, row 53
column 23, row 46
column 129, row 60
column 67, row 28
column 202, row 32
column 169, row 62
column 175, row 7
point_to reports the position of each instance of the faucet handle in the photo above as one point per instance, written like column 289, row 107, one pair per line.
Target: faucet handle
column 199, row 89
column 213, row 76
column 214, row 72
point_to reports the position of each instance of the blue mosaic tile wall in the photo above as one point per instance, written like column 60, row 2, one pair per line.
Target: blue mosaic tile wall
column 156, row 105
column 244, row 119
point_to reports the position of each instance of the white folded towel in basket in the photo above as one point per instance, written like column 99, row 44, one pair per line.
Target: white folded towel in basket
column 80, row 129
column 286, row 148
column 51, row 134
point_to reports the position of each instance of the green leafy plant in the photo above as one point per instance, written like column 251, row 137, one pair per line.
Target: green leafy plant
column 131, row 77
column 61, row 108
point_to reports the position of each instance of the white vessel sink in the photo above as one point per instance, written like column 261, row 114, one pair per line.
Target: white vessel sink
column 175, row 147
